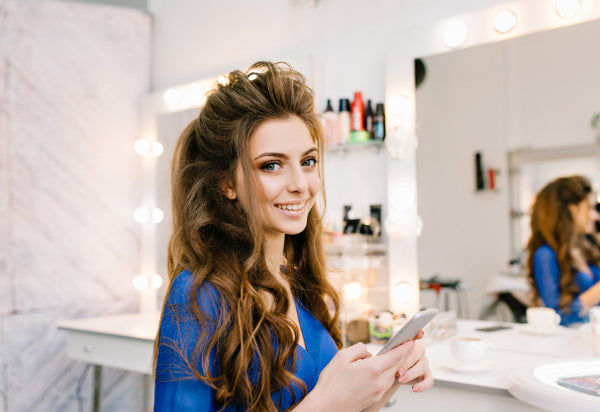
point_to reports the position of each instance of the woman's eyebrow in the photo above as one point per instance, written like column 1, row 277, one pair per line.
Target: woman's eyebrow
column 283, row 155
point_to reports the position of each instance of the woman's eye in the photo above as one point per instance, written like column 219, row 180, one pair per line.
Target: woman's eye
column 270, row 166
column 309, row 162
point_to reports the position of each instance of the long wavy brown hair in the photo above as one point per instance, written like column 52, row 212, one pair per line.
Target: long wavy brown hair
column 552, row 224
column 222, row 244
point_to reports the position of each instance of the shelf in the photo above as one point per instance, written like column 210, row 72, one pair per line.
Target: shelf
column 350, row 147
column 355, row 249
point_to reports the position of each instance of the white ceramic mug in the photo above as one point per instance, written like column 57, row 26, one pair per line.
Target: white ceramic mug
column 469, row 352
column 542, row 320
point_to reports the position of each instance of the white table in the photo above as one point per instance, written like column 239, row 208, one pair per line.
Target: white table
column 123, row 342
column 126, row 342
column 489, row 390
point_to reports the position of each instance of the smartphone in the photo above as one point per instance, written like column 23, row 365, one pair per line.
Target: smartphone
column 410, row 329
column 493, row 328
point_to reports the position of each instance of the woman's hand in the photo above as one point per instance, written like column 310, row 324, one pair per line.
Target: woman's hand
column 415, row 370
column 355, row 380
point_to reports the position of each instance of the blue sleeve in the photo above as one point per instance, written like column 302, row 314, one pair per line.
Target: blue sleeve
column 547, row 274
column 176, row 389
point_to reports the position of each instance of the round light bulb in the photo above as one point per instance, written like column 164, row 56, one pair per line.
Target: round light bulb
column 404, row 226
column 403, row 292
column 156, row 281
column 567, row 8
column 400, row 142
column 195, row 92
column 157, row 215
column 172, row 97
column 352, row 290
column 157, row 148
column 140, row 282
column 141, row 214
column 504, row 21
column 141, row 146
column 455, row 33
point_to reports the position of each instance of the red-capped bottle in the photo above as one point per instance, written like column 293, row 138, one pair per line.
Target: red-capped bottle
column 357, row 109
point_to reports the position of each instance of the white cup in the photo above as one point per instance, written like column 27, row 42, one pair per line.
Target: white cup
column 469, row 352
column 542, row 320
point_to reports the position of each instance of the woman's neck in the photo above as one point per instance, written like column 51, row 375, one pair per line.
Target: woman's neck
column 274, row 252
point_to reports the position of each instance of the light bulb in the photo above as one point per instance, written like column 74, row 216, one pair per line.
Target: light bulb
column 157, row 215
column 157, row 148
column 195, row 92
column 352, row 290
column 172, row 97
column 504, row 21
column 567, row 8
column 455, row 33
column 403, row 292
column 400, row 142
column 156, row 281
column 404, row 226
column 140, row 282
column 141, row 214
column 141, row 146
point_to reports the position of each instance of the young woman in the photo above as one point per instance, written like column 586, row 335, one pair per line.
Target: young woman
column 250, row 321
column 563, row 265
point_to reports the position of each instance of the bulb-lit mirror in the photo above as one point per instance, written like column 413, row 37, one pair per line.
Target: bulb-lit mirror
column 533, row 97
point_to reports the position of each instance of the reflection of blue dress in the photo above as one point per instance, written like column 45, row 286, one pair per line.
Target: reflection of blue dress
column 176, row 391
column 547, row 274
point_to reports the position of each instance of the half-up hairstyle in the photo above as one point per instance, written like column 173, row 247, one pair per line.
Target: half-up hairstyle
column 221, row 244
column 553, row 224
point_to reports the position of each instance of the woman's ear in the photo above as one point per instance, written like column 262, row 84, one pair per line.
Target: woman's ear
column 228, row 192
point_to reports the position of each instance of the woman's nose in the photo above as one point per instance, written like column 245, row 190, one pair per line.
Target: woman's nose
column 297, row 180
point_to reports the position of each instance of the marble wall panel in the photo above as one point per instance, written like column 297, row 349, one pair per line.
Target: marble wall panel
column 71, row 77
column 74, row 173
column 5, row 285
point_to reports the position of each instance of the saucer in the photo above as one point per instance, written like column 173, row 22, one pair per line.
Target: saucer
column 547, row 332
column 456, row 366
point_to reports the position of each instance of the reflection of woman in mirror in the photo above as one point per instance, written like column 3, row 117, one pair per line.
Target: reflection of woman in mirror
column 250, row 321
column 564, row 267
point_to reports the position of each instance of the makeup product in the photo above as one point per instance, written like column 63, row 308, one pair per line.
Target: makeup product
column 331, row 121
column 357, row 111
column 479, row 178
column 379, row 122
column 368, row 123
column 345, row 123
column 491, row 179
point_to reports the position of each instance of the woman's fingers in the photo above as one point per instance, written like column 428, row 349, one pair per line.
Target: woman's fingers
column 396, row 357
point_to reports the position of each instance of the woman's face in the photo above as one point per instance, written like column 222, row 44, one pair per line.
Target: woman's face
column 584, row 215
column 284, row 158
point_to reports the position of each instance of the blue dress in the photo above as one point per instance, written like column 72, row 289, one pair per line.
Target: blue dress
column 547, row 274
column 177, row 391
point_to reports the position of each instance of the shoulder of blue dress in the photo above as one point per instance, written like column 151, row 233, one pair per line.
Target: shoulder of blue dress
column 544, row 251
column 208, row 296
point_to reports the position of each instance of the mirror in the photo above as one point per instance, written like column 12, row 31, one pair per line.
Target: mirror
column 535, row 95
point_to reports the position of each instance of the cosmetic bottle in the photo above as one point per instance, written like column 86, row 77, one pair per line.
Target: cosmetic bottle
column 357, row 110
column 369, row 120
column 344, row 117
column 331, row 122
column 479, row 173
column 379, row 122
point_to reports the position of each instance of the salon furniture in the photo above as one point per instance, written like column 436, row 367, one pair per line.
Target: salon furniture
column 124, row 342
